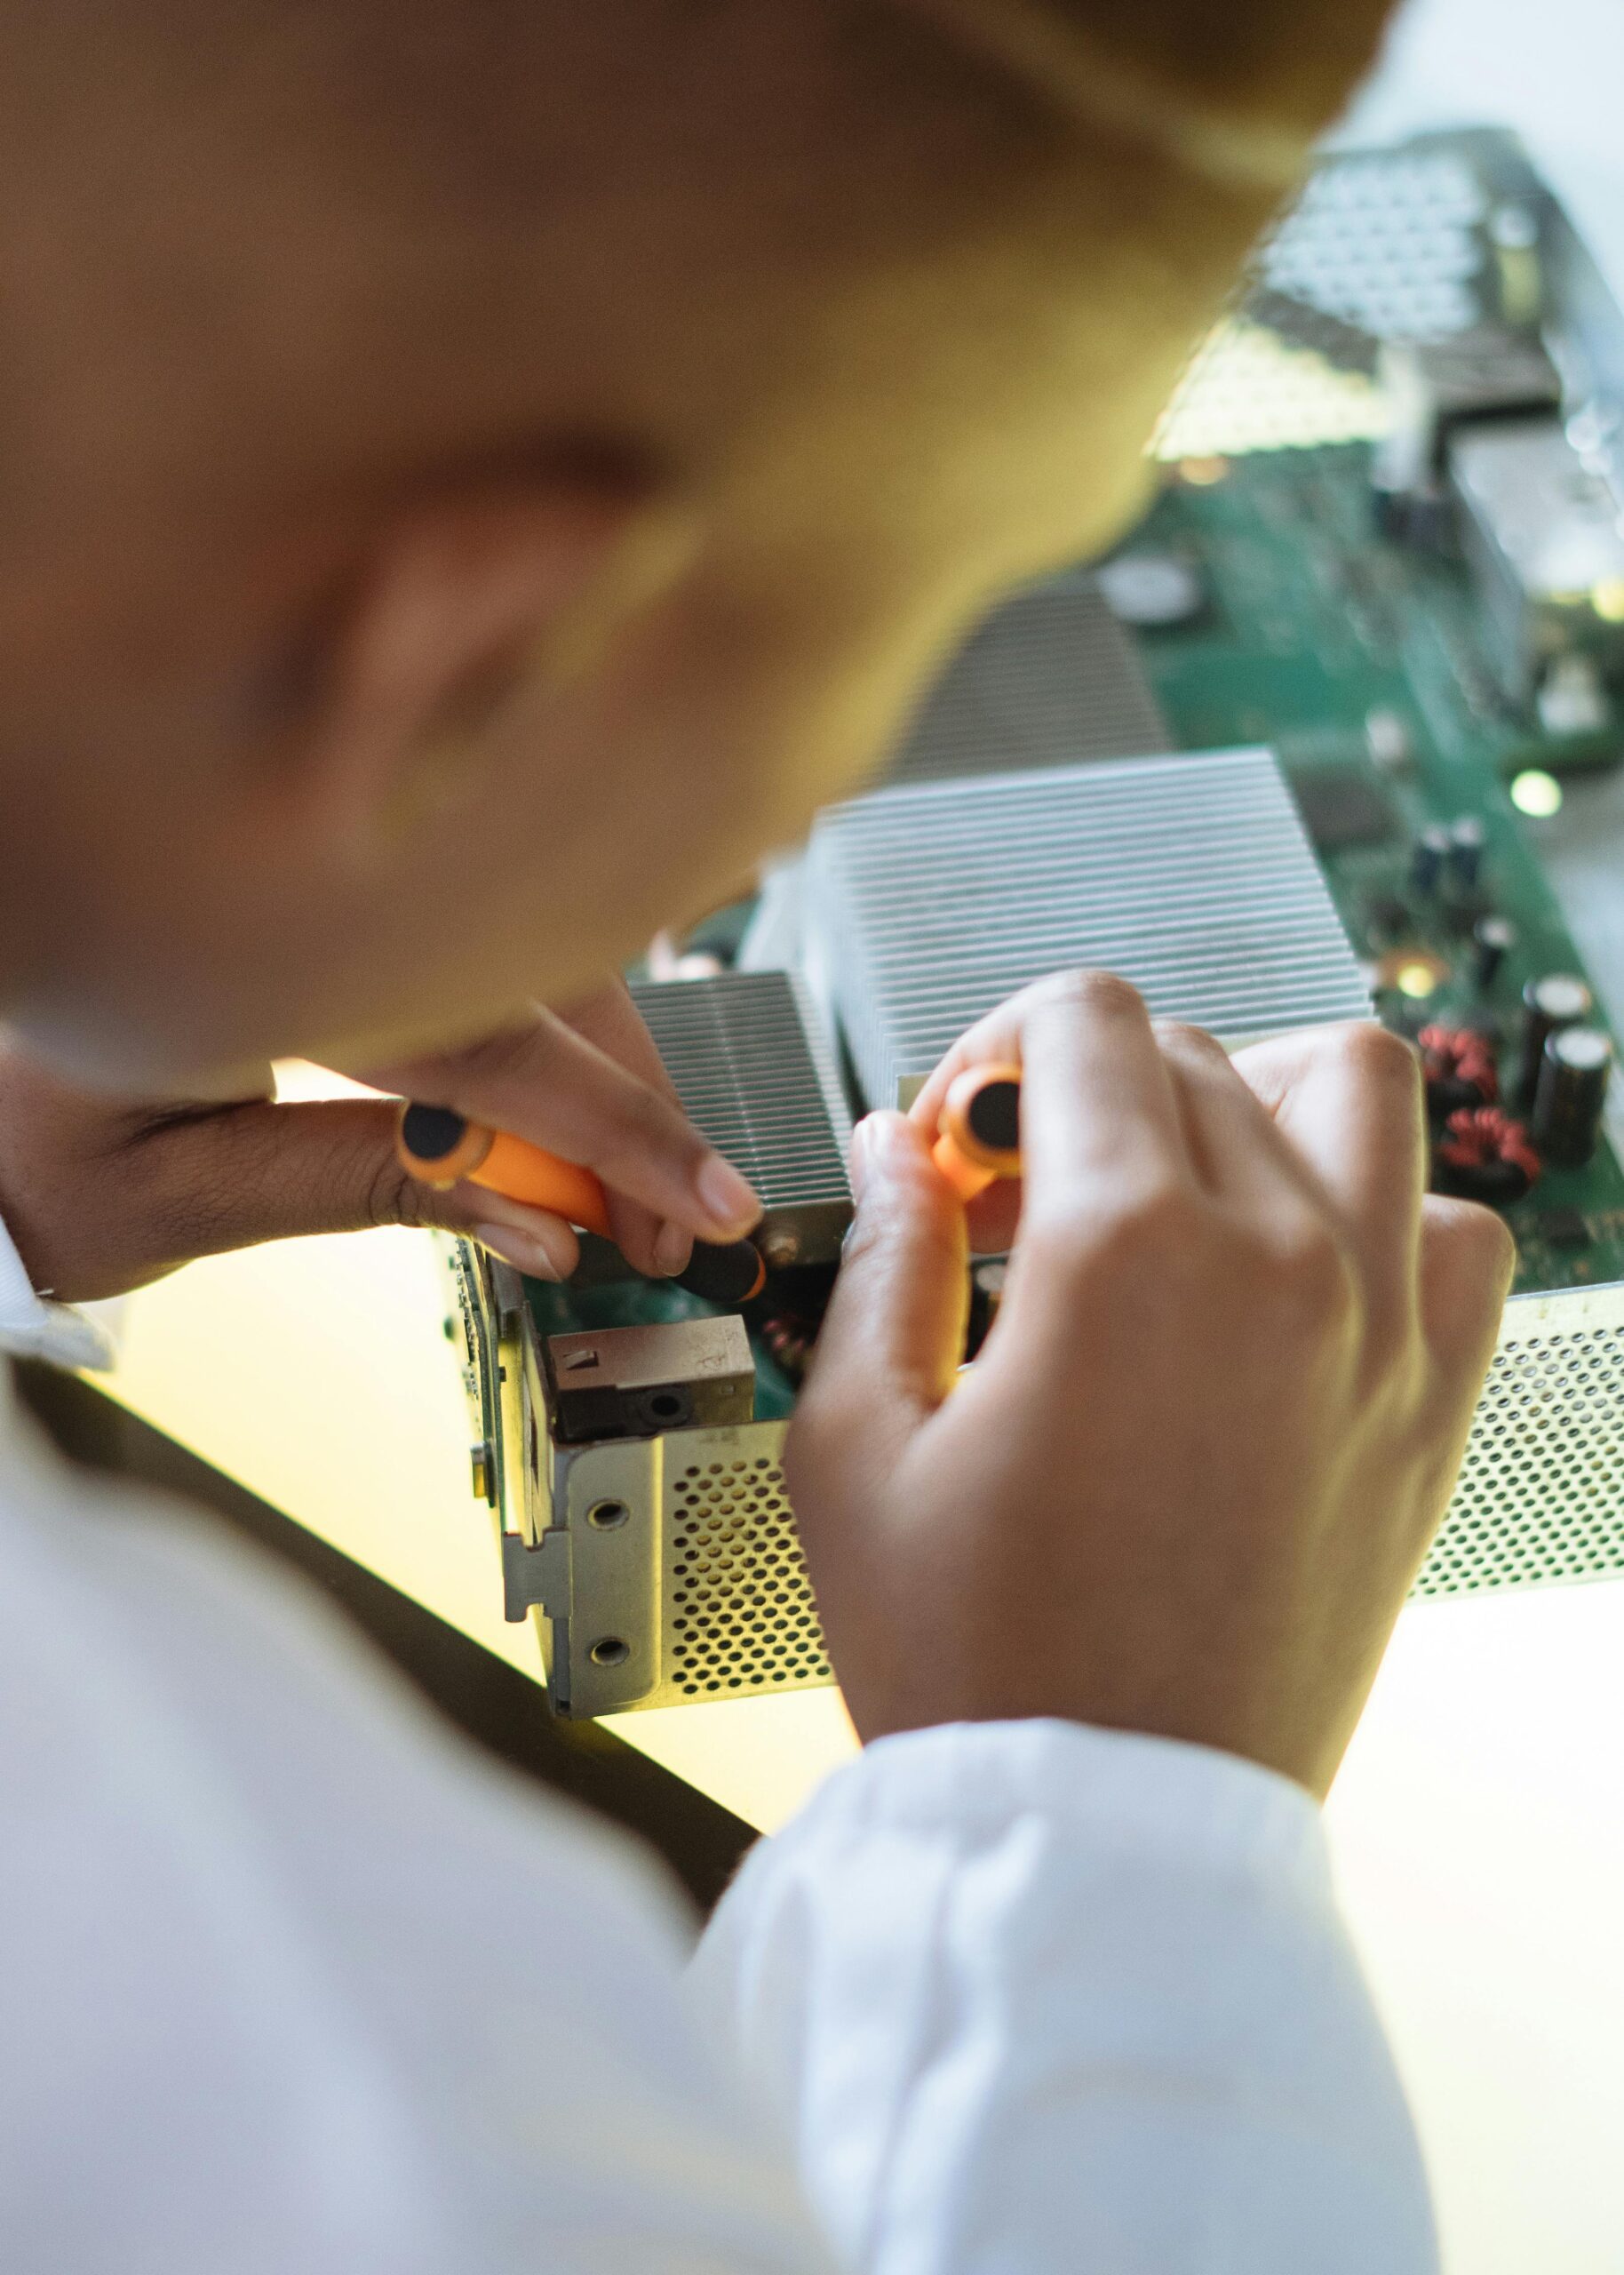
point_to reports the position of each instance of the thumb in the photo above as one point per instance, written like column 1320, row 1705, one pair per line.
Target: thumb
column 894, row 1334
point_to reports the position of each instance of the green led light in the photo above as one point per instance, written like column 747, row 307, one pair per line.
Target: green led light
column 1536, row 793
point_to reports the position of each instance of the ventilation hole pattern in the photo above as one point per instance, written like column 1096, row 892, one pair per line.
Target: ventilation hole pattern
column 1541, row 1490
column 739, row 1613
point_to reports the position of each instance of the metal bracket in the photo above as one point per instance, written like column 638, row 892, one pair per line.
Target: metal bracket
column 538, row 1575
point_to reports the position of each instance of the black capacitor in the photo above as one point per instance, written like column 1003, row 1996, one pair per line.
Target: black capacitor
column 1466, row 838
column 1574, row 1073
column 1493, row 938
column 1554, row 1001
column 1431, row 851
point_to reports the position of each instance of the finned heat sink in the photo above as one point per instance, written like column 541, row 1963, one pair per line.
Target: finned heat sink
column 1048, row 679
column 756, row 1077
column 1191, row 877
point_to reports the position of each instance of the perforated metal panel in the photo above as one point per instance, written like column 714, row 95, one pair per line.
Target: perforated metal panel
column 706, row 1579
column 1541, row 1492
column 738, row 1613
column 1393, row 244
column 1391, row 241
column 1541, row 1501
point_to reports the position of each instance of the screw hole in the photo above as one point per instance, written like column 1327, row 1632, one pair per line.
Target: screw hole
column 609, row 1651
column 605, row 1515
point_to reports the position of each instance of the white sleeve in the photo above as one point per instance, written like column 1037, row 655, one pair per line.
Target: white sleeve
column 292, row 1980
column 1031, row 1997
column 30, row 1328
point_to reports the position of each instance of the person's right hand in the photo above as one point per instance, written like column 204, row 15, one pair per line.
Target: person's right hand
column 1187, row 1483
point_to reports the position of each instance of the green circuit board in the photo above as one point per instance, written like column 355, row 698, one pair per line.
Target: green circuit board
column 1311, row 623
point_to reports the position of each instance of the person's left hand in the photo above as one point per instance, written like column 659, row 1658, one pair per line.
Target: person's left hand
column 103, row 1196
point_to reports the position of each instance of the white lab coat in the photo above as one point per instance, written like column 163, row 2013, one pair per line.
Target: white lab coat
column 291, row 1981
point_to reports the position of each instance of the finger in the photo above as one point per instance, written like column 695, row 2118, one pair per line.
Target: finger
column 993, row 1039
column 1349, row 1099
column 1468, row 1262
column 548, row 1084
column 181, row 1183
column 1236, row 1148
column 1237, row 1151
column 534, row 1241
column 1096, row 1097
column 894, row 1334
column 345, row 1163
column 265, row 1172
column 647, row 1240
column 1098, row 1110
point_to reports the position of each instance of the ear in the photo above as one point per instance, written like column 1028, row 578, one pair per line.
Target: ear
column 463, row 603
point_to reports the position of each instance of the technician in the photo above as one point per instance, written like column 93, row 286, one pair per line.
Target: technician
column 474, row 476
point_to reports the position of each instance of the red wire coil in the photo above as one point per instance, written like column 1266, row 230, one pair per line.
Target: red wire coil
column 1476, row 1137
column 1457, row 1055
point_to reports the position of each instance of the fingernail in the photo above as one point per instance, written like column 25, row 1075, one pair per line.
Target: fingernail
column 673, row 1244
column 528, row 1252
column 875, row 1138
column 726, row 1199
column 860, row 1140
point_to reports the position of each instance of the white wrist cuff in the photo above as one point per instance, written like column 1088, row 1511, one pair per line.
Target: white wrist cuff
column 31, row 1328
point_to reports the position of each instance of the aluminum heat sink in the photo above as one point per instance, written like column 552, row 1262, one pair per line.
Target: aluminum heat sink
column 755, row 1074
column 1048, row 679
column 1192, row 876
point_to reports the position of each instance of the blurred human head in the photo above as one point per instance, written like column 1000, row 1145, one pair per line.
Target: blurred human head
column 477, row 476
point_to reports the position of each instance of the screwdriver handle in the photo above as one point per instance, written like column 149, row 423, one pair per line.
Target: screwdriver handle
column 978, row 1132
column 441, row 1148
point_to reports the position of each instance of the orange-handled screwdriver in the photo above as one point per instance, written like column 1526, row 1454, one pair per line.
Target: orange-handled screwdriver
column 441, row 1147
column 978, row 1132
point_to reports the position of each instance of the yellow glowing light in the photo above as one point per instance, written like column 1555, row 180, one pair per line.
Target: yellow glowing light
column 1607, row 599
column 1417, row 979
column 1536, row 793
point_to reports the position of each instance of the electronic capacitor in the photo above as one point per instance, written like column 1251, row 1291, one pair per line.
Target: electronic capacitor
column 1432, row 850
column 1493, row 938
column 1467, row 839
column 1554, row 1001
column 1572, row 1094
